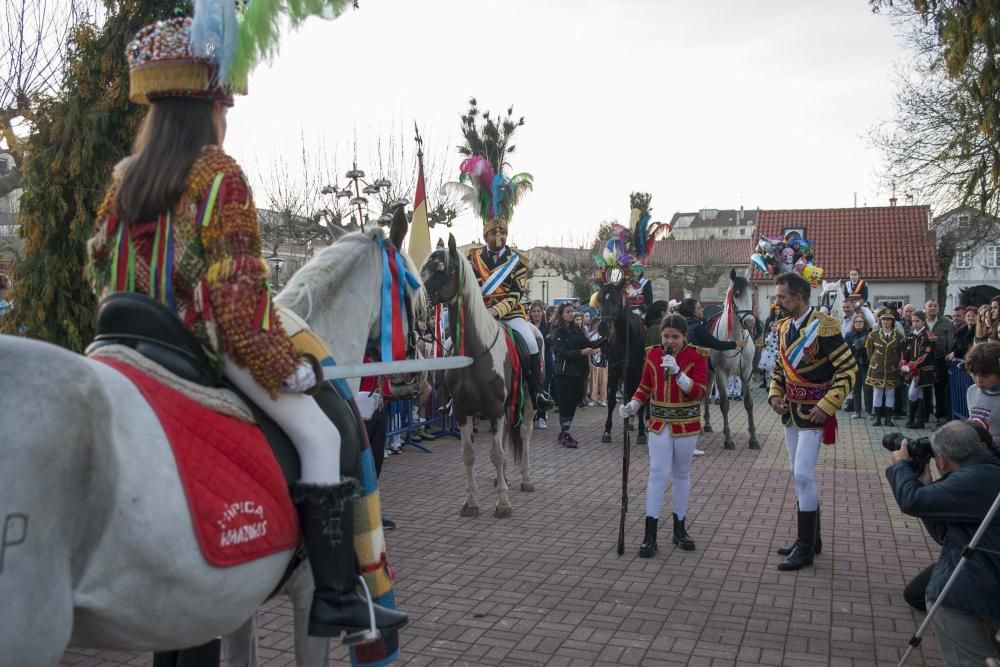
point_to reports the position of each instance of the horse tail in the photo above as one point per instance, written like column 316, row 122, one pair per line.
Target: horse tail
column 516, row 441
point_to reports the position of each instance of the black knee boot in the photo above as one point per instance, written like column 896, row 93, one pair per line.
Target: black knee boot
column 804, row 552
column 920, row 416
column 911, row 415
column 878, row 416
column 327, row 518
column 681, row 537
column 817, row 547
column 648, row 546
column 539, row 396
column 888, row 418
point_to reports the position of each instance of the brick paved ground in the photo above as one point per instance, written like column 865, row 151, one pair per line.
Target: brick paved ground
column 546, row 586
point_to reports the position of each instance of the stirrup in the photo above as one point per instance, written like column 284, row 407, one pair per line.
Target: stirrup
column 372, row 633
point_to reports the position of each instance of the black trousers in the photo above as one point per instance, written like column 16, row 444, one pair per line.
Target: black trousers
column 569, row 393
column 858, row 393
column 915, row 592
column 942, row 391
column 376, row 438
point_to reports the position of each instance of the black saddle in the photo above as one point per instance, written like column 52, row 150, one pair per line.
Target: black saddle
column 155, row 332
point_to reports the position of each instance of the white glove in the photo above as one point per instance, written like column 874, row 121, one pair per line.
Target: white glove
column 905, row 368
column 626, row 410
column 302, row 380
column 684, row 382
column 669, row 364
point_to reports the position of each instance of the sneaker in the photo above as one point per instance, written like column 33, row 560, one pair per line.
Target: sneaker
column 603, row 404
column 540, row 424
column 568, row 441
column 698, row 452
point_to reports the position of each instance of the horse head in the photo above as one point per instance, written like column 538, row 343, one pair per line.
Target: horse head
column 611, row 300
column 440, row 273
column 742, row 300
column 829, row 295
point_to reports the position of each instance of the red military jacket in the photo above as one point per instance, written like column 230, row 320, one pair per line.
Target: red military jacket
column 668, row 404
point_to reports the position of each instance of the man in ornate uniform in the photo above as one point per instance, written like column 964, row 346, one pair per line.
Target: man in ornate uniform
column 814, row 373
column 639, row 293
column 503, row 278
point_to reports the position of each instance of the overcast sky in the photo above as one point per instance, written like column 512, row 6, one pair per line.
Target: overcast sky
column 712, row 104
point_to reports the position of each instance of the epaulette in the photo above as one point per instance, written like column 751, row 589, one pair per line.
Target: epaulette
column 703, row 351
column 828, row 325
column 212, row 161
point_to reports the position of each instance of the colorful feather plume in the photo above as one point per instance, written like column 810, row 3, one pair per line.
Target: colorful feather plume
column 491, row 194
column 215, row 33
column 260, row 29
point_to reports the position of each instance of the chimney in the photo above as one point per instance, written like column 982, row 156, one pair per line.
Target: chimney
column 892, row 200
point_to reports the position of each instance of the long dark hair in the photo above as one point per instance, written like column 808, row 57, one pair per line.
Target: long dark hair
column 170, row 139
column 557, row 319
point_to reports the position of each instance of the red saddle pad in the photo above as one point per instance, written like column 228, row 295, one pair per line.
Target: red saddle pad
column 237, row 495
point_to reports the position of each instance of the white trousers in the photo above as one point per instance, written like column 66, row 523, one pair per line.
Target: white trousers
column 669, row 454
column 880, row 394
column 803, row 452
column 315, row 437
column 526, row 330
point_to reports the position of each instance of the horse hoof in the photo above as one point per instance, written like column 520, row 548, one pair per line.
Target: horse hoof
column 728, row 444
column 707, row 429
column 640, row 439
column 503, row 512
column 606, row 437
column 754, row 444
column 470, row 511
column 527, row 487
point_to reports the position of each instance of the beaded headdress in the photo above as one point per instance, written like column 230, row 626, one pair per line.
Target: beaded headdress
column 210, row 55
column 621, row 257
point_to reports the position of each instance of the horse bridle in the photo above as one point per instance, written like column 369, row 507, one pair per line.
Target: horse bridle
column 452, row 274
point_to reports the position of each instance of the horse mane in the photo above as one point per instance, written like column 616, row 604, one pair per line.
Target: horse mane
column 480, row 320
column 740, row 286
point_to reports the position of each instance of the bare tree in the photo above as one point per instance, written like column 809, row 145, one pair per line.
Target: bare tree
column 34, row 35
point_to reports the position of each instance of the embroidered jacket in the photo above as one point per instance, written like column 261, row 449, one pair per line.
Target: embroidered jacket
column 856, row 291
column 668, row 403
column 884, row 354
column 506, row 298
column 918, row 354
column 202, row 259
column 823, row 377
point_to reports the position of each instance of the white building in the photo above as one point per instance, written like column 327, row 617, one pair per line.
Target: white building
column 979, row 265
column 713, row 223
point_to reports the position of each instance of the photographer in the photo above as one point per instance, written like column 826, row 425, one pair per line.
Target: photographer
column 952, row 509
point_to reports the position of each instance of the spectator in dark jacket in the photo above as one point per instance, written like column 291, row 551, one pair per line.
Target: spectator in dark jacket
column 572, row 350
column 952, row 509
column 855, row 340
column 536, row 315
column 698, row 333
column 965, row 335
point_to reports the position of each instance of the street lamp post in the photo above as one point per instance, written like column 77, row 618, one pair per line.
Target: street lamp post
column 358, row 197
column 276, row 263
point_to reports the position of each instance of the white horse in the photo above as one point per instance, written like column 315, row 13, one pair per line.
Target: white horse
column 484, row 387
column 735, row 323
column 829, row 296
column 98, row 549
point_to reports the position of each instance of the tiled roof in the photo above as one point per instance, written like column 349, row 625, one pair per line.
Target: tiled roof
column 883, row 242
column 713, row 218
column 677, row 252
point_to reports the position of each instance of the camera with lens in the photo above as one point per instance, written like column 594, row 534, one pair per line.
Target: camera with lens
column 919, row 449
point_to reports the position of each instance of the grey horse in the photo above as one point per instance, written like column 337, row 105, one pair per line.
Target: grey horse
column 98, row 549
column 735, row 323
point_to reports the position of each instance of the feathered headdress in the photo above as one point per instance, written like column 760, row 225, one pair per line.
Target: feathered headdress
column 210, row 55
column 628, row 248
column 482, row 184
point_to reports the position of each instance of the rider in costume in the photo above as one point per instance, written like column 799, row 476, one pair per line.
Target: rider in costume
column 674, row 381
column 814, row 373
column 178, row 223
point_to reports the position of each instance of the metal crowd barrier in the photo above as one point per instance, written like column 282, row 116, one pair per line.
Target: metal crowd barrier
column 958, row 383
column 400, row 420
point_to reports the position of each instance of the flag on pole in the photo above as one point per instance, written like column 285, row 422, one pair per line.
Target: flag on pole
column 419, row 248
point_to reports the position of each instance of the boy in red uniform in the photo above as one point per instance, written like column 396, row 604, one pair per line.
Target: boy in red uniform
column 674, row 379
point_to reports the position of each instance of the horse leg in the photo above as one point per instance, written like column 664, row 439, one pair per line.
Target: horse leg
column 707, row 402
column 613, row 380
column 471, row 507
column 721, row 381
column 503, row 507
column 748, row 404
column 526, row 430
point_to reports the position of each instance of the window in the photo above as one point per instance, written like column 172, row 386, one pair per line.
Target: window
column 800, row 230
column 992, row 256
column 725, row 232
column 743, row 231
column 963, row 259
column 963, row 220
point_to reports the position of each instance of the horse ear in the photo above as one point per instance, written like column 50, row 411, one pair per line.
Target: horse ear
column 398, row 227
column 732, row 274
column 452, row 248
column 440, row 244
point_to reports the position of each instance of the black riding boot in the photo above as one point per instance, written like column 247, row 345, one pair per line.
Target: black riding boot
column 539, row 397
column 804, row 552
column 817, row 547
column 911, row 415
column 920, row 416
column 327, row 518
column 681, row 537
column 648, row 546
column 888, row 418
column 878, row 416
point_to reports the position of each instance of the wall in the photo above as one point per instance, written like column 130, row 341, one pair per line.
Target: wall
column 878, row 291
column 977, row 274
column 557, row 288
